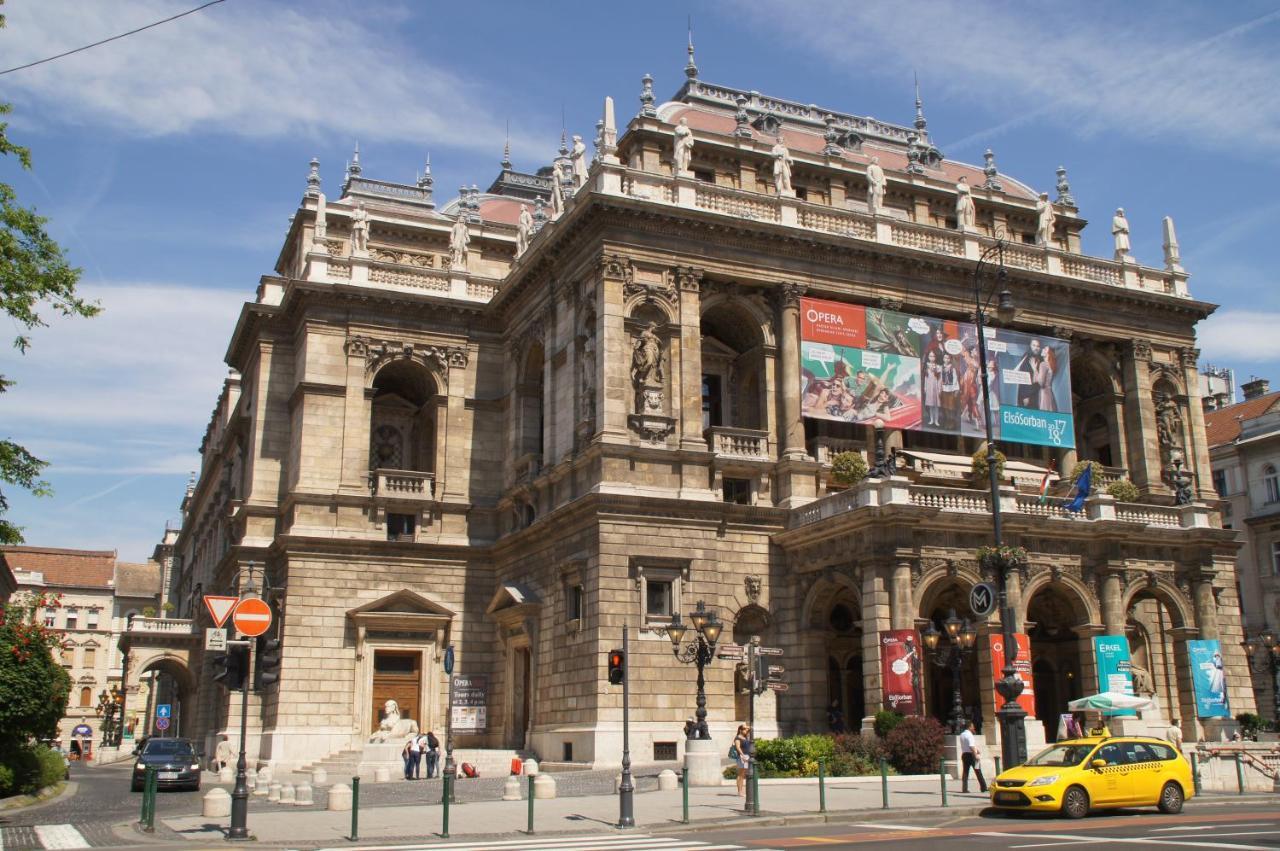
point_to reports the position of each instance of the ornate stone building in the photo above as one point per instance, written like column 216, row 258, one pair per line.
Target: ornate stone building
column 527, row 418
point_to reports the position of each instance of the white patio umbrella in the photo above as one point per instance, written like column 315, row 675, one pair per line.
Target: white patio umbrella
column 1110, row 701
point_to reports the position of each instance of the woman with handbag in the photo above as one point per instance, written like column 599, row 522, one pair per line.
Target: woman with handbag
column 740, row 752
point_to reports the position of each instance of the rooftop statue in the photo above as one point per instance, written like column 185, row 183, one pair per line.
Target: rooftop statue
column 966, row 213
column 875, row 186
column 523, row 229
column 459, row 239
column 359, row 230
column 782, row 167
column 683, row 147
column 579, row 159
column 1120, row 230
column 1044, row 220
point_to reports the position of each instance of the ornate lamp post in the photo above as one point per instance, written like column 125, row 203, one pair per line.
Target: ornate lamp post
column 1268, row 661
column 110, row 709
column 699, row 650
column 961, row 636
column 1013, row 735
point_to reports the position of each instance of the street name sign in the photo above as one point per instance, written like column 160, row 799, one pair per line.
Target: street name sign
column 252, row 617
column 778, row 686
column 220, row 607
column 769, row 651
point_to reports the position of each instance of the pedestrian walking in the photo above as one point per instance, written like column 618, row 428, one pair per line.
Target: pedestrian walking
column 433, row 755
column 971, row 757
column 1173, row 735
column 740, row 752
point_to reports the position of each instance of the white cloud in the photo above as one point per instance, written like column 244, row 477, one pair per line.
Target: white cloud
column 244, row 68
column 1245, row 335
column 1140, row 72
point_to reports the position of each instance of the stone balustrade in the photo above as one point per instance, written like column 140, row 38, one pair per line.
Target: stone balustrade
column 404, row 484
column 180, row 626
column 823, row 448
column 738, row 442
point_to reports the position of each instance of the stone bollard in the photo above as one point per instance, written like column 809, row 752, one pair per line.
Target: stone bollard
column 250, row 782
column 511, row 789
column 339, row 797
column 287, row 793
column 319, row 777
column 217, row 803
column 227, row 774
column 273, row 793
column 544, row 786
column 303, row 797
column 667, row 780
column 381, row 775
column 259, row 787
column 264, row 775
column 530, row 767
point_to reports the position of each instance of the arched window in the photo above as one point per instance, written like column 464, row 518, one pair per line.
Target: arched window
column 402, row 430
column 86, row 696
column 1271, row 483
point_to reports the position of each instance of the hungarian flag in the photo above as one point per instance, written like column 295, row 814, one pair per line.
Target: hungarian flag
column 1044, row 483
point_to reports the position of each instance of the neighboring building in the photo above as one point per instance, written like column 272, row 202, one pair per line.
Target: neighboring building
column 1244, row 449
column 97, row 597
column 436, row 436
column 8, row 583
column 1217, row 387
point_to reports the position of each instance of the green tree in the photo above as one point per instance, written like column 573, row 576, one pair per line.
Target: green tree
column 33, row 686
column 33, row 274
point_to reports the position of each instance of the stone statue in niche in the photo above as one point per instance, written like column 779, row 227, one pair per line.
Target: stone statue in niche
column 646, row 370
column 359, row 230
column 588, row 383
column 1168, row 424
column 875, row 186
column 459, row 239
column 683, row 147
column 1044, row 220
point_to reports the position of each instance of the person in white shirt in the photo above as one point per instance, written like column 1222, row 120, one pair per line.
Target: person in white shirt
column 1174, row 734
column 971, row 757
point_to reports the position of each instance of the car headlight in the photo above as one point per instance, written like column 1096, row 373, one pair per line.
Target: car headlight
column 139, row 767
column 1046, row 780
column 195, row 766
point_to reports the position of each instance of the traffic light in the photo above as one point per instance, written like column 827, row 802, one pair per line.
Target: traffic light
column 230, row 668
column 267, row 671
column 617, row 667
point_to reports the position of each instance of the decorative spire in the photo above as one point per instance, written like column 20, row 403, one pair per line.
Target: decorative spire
column 914, row 165
column 743, row 130
column 646, row 97
column 993, row 179
column 1172, row 254
column 1064, row 189
column 608, row 130
column 690, row 68
column 506, row 149
column 354, row 168
column 564, row 142
column 921, row 124
column 427, row 183
column 832, row 137
column 539, row 214
column 313, row 179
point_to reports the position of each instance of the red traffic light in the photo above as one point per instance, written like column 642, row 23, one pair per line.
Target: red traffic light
column 617, row 667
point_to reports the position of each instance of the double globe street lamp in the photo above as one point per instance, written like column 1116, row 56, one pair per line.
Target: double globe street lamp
column 1268, row 661
column 699, row 650
column 961, row 636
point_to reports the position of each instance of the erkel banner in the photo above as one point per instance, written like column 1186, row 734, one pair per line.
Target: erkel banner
column 900, row 670
column 1115, row 673
column 1021, row 669
column 879, row 367
column 1209, row 678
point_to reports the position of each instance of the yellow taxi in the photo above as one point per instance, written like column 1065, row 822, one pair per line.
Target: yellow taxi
column 1075, row 776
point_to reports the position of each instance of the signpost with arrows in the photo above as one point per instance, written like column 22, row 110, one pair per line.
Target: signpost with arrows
column 761, row 677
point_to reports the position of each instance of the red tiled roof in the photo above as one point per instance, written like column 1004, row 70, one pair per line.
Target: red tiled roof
column 78, row 568
column 1223, row 425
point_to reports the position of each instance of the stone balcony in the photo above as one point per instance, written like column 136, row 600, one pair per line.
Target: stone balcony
column 404, row 485
column 738, row 443
column 900, row 490
column 182, row 626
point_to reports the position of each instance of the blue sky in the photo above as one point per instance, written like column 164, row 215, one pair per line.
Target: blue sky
column 169, row 162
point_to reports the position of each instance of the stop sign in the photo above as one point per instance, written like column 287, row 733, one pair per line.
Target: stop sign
column 252, row 617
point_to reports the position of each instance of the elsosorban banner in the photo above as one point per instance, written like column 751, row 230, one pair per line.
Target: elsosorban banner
column 900, row 670
column 879, row 367
column 1021, row 670
column 1115, row 672
column 1209, row 678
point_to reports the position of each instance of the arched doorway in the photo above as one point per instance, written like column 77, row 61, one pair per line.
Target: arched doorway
column 940, row 603
column 1152, row 626
column 1054, row 613
column 403, row 425
column 732, row 368
column 162, row 682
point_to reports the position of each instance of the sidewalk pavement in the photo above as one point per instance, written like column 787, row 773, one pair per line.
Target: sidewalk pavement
column 653, row 811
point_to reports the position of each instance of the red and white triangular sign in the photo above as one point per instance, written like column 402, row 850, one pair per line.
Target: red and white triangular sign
column 220, row 607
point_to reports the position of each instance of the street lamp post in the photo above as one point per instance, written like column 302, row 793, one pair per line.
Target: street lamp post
column 1268, row 661
column 700, row 650
column 238, row 831
column 1013, row 734
column 961, row 636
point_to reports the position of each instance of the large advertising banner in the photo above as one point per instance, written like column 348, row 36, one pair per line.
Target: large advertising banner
column 1209, row 678
column 1021, row 670
column 1115, row 672
column 900, row 670
column 879, row 367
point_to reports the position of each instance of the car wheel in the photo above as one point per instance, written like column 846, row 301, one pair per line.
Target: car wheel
column 1171, row 799
column 1075, row 803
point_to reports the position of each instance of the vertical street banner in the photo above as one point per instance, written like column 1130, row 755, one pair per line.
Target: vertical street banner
column 470, row 703
column 900, row 670
column 1115, row 671
column 878, row 367
column 1021, row 669
column 1209, row 678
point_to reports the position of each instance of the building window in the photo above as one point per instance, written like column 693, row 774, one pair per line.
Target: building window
column 73, row 617
column 576, row 598
column 400, row 527
column 706, row 176
column 711, row 411
column 737, row 491
column 1275, row 558
column 91, row 621
column 90, row 658
column 659, row 599
column 801, row 193
column 86, row 696
column 1271, row 482
column 1220, row 482
column 50, row 617
column 660, row 589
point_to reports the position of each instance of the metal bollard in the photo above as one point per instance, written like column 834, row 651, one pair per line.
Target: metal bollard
column 884, row 783
column 684, row 786
column 1195, row 771
column 942, row 775
column 355, row 808
column 530, row 830
column 754, row 780
column 822, row 786
column 446, row 795
column 997, row 759
column 1239, row 775
column 147, row 818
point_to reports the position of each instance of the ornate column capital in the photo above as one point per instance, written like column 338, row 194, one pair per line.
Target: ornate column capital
column 789, row 295
column 688, row 278
column 618, row 267
column 1062, row 332
column 1189, row 356
column 1140, row 349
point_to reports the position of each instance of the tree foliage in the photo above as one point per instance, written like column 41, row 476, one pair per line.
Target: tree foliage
column 33, row 686
column 34, row 275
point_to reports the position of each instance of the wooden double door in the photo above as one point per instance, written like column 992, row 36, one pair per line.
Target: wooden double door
column 397, row 675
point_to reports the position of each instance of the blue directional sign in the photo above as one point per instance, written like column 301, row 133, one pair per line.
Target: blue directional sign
column 163, row 710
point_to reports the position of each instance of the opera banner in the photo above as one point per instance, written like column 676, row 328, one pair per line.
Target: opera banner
column 879, row 367
column 1209, row 678
column 1115, row 671
column 900, row 670
column 1021, row 670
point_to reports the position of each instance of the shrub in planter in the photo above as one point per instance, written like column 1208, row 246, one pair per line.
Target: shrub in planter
column 979, row 468
column 885, row 721
column 794, row 757
column 1079, row 468
column 915, row 745
column 148, row 611
column 857, row 755
column 1250, row 724
column 848, row 468
column 1123, row 490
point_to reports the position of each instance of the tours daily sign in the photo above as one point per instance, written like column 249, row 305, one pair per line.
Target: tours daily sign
column 880, row 367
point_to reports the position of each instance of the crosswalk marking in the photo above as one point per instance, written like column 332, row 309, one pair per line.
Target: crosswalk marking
column 599, row 842
column 880, row 826
column 1131, row 840
column 60, row 836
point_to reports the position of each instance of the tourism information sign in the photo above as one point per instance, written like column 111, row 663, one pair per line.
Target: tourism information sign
column 1209, row 678
column 1115, row 672
column 470, row 703
column 866, row 365
column 1021, row 670
column 900, row 670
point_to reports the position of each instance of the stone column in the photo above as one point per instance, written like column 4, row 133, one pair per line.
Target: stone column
column 901, row 604
column 1113, row 614
column 1140, row 418
column 875, row 617
column 791, row 423
column 1197, row 455
column 355, row 426
column 688, row 280
column 1206, row 605
column 613, row 351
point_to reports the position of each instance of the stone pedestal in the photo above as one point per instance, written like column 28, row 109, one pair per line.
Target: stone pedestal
column 544, row 786
column 511, row 789
column 381, row 757
column 273, row 792
column 667, row 780
column 303, row 797
column 288, row 794
column 217, row 803
column 1219, row 729
column 702, row 762
column 529, row 767
column 340, row 797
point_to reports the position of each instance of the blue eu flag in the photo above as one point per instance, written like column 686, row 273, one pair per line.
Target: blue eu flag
column 1084, row 483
